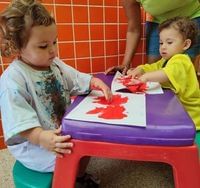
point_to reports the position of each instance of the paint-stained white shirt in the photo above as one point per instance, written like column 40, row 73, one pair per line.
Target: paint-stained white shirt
column 30, row 98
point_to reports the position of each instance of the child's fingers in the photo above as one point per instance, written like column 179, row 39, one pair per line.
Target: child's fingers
column 108, row 94
column 60, row 139
column 61, row 150
column 130, row 71
column 133, row 82
column 108, row 97
column 64, row 145
column 126, row 77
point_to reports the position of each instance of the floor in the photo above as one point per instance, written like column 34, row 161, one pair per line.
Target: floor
column 113, row 173
column 6, row 163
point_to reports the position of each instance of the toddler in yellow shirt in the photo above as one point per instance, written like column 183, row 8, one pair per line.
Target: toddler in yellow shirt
column 175, row 69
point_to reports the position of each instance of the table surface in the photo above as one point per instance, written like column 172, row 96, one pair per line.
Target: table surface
column 168, row 124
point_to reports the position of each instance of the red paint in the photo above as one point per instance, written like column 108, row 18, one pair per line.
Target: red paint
column 113, row 109
column 109, row 112
column 116, row 100
column 141, row 88
column 124, row 80
column 135, row 88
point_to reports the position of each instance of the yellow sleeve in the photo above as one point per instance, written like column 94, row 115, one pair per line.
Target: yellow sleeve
column 152, row 67
column 181, row 73
column 177, row 72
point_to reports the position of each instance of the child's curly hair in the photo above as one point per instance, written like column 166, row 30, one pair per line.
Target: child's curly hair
column 16, row 22
column 187, row 28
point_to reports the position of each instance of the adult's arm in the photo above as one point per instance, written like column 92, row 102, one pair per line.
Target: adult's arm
column 133, row 13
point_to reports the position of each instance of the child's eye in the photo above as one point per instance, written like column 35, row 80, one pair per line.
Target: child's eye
column 55, row 42
column 161, row 43
column 43, row 47
column 169, row 42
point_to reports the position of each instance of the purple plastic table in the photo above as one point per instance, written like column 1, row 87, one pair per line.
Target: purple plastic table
column 168, row 124
column 168, row 138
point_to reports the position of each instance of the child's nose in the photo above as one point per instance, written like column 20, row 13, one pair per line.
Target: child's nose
column 52, row 50
column 163, row 46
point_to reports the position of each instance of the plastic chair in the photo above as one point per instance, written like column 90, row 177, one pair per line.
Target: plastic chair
column 26, row 178
column 184, row 160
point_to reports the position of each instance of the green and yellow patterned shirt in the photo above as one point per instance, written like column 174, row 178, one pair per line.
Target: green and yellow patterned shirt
column 169, row 9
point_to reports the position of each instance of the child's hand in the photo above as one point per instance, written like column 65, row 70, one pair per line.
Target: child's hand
column 135, row 81
column 135, row 73
column 143, row 78
column 53, row 141
column 139, row 80
column 98, row 84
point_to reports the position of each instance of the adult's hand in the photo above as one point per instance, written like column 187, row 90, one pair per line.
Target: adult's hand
column 121, row 68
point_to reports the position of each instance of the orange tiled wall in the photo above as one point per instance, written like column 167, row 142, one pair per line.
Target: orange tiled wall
column 91, row 35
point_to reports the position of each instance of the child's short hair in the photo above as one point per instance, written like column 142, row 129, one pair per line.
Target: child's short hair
column 16, row 22
column 187, row 28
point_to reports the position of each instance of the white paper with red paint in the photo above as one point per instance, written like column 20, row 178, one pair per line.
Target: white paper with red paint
column 152, row 87
column 125, row 109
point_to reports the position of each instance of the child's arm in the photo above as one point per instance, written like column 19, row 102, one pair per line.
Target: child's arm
column 96, row 83
column 154, row 76
column 49, row 139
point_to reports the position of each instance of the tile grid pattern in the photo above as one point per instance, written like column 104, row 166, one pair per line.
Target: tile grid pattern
column 91, row 35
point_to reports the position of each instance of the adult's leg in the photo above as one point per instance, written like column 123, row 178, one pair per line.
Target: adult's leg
column 152, row 42
column 194, row 51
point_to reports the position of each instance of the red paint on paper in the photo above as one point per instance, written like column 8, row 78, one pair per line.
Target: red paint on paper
column 124, row 80
column 111, row 110
column 116, row 100
column 141, row 88
column 135, row 88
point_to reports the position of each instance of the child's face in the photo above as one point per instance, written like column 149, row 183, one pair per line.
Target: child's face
column 41, row 48
column 171, row 43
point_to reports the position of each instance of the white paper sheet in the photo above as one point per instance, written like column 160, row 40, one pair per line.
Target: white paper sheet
column 153, row 87
column 135, row 110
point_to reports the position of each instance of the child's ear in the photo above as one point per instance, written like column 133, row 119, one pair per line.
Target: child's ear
column 187, row 44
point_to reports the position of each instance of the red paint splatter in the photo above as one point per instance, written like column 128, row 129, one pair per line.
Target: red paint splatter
column 124, row 80
column 113, row 109
column 116, row 100
column 141, row 88
column 136, row 88
column 109, row 112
